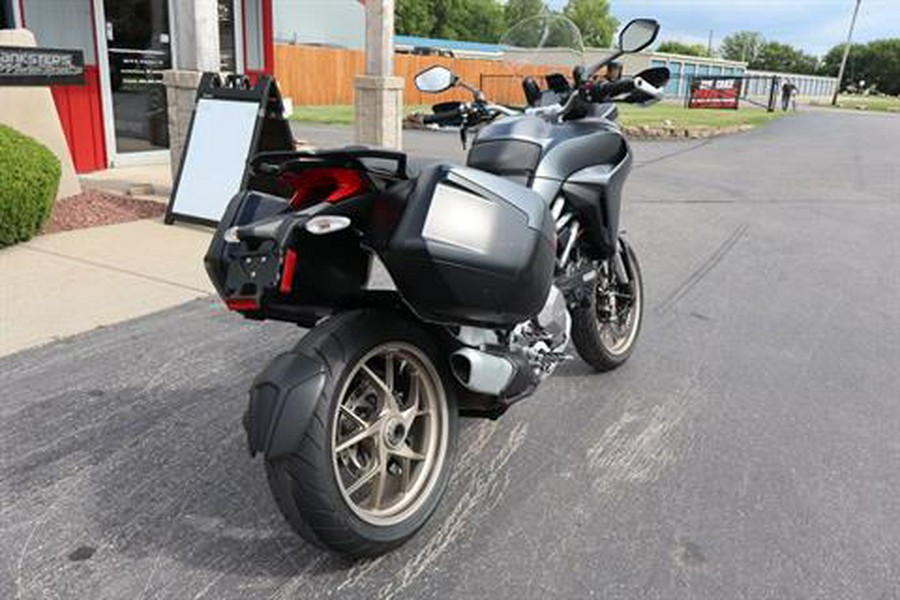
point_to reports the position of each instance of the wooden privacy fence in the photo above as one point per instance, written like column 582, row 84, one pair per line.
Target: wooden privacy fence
column 314, row 75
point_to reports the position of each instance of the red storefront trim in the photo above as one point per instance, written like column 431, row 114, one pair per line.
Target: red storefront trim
column 268, row 40
column 81, row 117
column 268, row 32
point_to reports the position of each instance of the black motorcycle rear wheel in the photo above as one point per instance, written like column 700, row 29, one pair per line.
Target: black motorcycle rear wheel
column 377, row 455
column 606, row 329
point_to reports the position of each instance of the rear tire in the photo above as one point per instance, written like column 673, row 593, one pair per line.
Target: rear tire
column 592, row 325
column 367, row 497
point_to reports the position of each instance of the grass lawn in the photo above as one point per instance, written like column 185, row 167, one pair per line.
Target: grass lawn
column 338, row 114
column 681, row 117
column 629, row 115
column 873, row 103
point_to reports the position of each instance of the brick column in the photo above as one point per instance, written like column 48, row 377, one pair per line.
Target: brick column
column 197, row 45
column 379, row 95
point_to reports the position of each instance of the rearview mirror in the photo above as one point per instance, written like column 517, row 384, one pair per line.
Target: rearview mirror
column 435, row 80
column 638, row 34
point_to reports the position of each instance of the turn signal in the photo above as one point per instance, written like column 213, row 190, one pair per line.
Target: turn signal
column 327, row 224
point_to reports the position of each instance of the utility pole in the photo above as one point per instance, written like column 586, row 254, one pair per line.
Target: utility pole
column 709, row 45
column 837, row 88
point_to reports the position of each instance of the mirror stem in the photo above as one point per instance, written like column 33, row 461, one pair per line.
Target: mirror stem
column 479, row 95
column 592, row 70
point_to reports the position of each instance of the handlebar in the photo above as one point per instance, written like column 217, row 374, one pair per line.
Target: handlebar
column 604, row 91
column 599, row 93
column 443, row 117
column 610, row 89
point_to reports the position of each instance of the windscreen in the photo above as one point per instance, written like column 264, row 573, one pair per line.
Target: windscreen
column 545, row 43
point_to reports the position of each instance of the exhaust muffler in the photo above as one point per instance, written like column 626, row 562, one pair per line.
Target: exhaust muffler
column 482, row 372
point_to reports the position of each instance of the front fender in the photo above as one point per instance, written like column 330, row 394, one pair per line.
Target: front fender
column 282, row 401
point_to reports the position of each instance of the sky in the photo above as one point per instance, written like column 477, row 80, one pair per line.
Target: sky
column 812, row 25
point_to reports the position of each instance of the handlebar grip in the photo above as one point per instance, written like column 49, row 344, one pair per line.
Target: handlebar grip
column 611, row 89
column 442, row 117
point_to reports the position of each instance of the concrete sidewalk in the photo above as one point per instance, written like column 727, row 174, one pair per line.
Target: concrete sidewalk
column 154, row 180
column 61, row 284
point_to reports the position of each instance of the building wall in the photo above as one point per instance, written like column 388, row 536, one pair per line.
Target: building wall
column 30, row 109
column 69, row 24
column 757, row 83
column 685, row 67
column 809, row 87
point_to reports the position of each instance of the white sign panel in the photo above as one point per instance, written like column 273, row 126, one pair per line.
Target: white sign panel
column 215, row 158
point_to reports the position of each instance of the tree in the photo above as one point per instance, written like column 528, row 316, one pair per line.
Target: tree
column 467, row 20
column 774, row 56
column 885, row 65
column 743, row 46
column 673, row 47
column 877, row 63
column 519, row 10
column 593, row 19
column 414, row 17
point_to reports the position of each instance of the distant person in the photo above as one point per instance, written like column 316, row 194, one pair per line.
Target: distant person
column 788, row 90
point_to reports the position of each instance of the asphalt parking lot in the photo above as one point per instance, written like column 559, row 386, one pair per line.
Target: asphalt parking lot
column 749, row 449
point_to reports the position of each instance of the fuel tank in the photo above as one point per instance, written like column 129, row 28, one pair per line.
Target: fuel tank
column 533, row 152
column 472, row 248
column 587, row 160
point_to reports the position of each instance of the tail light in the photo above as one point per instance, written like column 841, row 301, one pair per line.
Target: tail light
column 325, row 184
column 242, row 304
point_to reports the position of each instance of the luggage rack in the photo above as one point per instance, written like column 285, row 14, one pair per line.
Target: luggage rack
column 277, row 162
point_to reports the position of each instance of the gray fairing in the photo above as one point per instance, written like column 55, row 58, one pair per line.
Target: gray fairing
column 587, row 160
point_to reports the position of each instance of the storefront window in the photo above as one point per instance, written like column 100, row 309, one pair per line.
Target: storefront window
column 5, row 15
column 139, row 48
column 62, row 24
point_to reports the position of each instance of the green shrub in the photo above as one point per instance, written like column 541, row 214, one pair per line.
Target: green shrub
column 29, row 179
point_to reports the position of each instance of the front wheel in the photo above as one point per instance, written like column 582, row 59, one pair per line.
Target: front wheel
column 377, row 454
column 606, row 328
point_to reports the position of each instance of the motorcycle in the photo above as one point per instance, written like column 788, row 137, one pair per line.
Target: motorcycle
column 497, row 266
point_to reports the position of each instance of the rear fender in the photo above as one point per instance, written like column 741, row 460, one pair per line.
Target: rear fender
column 282, row 401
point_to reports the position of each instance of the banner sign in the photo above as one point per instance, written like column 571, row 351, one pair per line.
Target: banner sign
column 41, row 66
column 715, row 92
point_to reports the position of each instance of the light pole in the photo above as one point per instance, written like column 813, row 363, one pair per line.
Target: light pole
column 837, row 88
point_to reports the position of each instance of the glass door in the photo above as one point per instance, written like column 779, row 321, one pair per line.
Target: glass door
column 139, row 50
column 227, row 47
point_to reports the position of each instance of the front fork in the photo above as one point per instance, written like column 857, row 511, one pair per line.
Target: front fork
column 577, row 277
